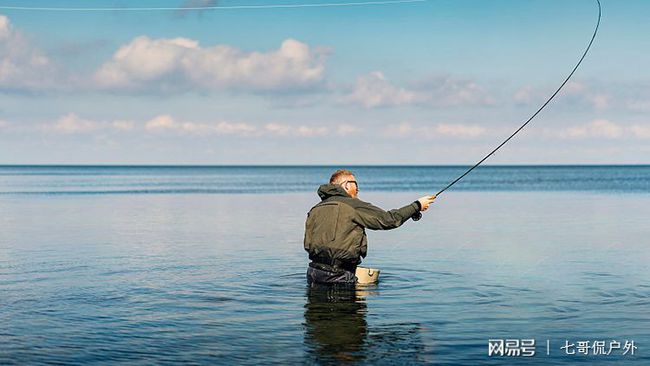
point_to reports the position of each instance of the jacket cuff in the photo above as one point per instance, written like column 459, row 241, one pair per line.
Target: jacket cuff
column 418, row 205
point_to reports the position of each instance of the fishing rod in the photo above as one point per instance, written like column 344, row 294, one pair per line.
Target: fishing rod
column 584, row 54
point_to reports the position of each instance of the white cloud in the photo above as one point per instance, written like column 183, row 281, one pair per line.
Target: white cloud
column 600, row 101
column 574, row 93
column 164, row 66
column 458, row 130
column 596, row 129
column 639, row 131
column 278, row 129
column 167, row 123
column 347, row 130
column 22, row 65
column 181, row 63
column 451, row 92
column 234, row 128
column 402, row 129
column 162, row 122
column 5, row 28
column 524, row 95
column 602, row 129
column 306, row 131
column 639, row 105
column 123, row 125
column 71, row 123
column 575, row 88
column 374, row 90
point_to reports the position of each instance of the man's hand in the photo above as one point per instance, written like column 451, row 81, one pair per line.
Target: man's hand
column 426, row 201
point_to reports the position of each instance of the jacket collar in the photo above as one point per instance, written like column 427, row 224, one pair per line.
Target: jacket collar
column 326, row 191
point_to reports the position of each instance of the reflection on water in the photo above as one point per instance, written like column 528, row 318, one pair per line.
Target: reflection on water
column 337, row 332
column 336, row 327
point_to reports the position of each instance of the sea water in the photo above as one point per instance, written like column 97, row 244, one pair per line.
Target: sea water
column 205, row 265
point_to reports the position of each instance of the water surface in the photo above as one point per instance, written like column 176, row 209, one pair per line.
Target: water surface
column 212, row 278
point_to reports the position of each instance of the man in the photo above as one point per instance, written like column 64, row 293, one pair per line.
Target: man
column 335, row 235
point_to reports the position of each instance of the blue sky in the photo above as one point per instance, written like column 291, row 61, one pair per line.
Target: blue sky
column 435, row 82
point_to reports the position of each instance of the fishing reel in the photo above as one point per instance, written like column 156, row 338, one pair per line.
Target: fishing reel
column 416, row 216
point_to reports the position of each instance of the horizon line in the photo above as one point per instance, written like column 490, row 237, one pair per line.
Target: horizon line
column 181, row 165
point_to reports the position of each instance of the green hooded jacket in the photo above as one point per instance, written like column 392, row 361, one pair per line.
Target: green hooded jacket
column 335, row 228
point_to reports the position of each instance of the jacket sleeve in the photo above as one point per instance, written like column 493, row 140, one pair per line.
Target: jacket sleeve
column 374, row 218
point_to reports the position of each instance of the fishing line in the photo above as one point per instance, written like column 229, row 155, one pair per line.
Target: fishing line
column 539, row 110
column 232, row 7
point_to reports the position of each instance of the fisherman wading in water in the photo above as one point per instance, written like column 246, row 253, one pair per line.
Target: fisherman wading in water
column 335, row 235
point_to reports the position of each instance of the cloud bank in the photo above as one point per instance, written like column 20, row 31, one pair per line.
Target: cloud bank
column 165, row 65
column 22, row 65
column 177, row 64
column 574, row 94
column 601, row 129
column 166, row 124
column 409, row 130
column 71, row 123
column 374, row 90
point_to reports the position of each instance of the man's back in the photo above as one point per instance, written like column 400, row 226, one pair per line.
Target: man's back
column 331, row 229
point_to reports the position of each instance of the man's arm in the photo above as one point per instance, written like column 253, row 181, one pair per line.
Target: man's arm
column 374, row 218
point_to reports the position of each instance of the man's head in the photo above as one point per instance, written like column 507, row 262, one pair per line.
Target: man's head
column 346, row 179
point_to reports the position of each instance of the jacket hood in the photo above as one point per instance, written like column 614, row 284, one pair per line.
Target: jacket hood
column 326, row 191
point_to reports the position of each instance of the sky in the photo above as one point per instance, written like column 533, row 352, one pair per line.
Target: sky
column 430, row 82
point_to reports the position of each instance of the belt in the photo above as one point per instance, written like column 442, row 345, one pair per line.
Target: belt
column 336, row 263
